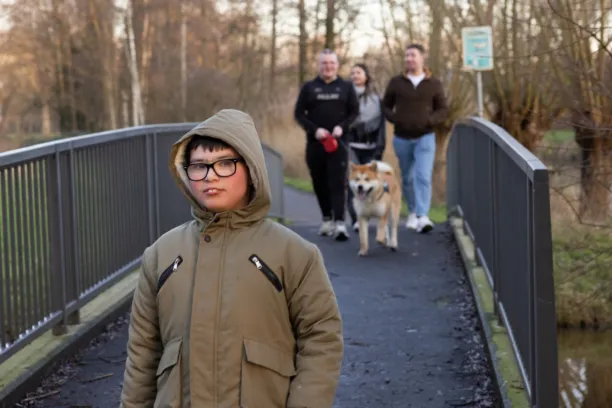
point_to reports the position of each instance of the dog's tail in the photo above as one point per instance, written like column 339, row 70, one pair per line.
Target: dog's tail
column 384, row 168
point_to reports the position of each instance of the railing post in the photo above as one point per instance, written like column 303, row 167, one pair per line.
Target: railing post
column 58, row 286
column 4, row 283
column 494, row 268
column 282, row 192
column 451, row 174
column 545, row 370
column 75, row 316
column 150, row 186
column 156, row 185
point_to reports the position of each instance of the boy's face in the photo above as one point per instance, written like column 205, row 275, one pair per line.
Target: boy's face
column 219, row 193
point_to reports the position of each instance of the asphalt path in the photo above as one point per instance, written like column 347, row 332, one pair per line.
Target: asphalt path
column 411, row 333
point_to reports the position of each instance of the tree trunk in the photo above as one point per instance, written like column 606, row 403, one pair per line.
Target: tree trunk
column 125, row 110
column 137, row 112
column 71, row 90
column 438, row 181
column 103, row 26
column 273, row 47
column 329, row 25
column 183, row 61
column 595, row 187
column 46, row 119
column 302, row 43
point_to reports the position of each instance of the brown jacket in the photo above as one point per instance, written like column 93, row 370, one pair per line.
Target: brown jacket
column 415, row 111
column 232, row 309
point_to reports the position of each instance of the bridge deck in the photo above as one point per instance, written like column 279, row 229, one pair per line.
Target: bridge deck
column 410, row 328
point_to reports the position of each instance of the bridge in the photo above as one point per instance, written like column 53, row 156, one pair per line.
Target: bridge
column 460, row 317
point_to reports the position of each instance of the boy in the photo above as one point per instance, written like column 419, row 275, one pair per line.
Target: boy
column 231, row 309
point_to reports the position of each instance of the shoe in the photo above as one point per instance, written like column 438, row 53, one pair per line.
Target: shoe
column 327, row 228
column 424, row 224
column 412, row 222
column 340, row 232
column 356, row 226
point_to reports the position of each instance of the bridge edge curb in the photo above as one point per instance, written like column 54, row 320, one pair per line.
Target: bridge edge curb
column 501, row 381
column 16, row 391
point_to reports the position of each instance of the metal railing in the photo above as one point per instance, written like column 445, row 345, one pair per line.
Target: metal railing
column 76, row 215
column 500, row 189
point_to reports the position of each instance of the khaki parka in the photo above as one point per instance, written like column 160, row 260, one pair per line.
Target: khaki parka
column 232, row 309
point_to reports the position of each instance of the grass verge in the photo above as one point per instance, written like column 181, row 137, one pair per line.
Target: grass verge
column 437, row 213
column 583, row 278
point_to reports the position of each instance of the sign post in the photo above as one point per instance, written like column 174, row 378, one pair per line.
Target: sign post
column 477, row 45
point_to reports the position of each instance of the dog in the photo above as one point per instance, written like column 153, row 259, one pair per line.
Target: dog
column 377, row 194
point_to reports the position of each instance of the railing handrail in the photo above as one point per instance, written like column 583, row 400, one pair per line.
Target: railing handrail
column 516, row 151
column 501, row 192
column 31, row 152
column 47, row 212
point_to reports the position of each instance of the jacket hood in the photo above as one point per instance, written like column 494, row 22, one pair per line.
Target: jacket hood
column 237, row 129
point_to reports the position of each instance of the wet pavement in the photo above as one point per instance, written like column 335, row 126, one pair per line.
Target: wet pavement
column 410, row 327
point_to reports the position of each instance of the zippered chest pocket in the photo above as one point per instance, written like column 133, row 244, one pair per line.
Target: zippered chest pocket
column 267, row 272
column 165, row 275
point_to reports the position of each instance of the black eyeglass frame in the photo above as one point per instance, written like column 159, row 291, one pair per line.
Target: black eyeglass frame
column 209, row 166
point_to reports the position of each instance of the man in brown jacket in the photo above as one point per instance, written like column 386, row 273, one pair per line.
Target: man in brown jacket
column 232, row 309
column 415, row 103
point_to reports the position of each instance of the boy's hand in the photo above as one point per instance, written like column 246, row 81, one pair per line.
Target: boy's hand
column 337, row 131
column 321, row 134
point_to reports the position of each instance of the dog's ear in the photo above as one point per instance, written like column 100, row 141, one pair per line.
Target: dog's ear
column 352, row 166
column 374, row 166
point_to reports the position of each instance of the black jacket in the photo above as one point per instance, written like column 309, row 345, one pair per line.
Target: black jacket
column 326, row 105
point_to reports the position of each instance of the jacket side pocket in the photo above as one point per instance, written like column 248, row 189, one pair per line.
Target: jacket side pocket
column 265, row 376
column 169, row 376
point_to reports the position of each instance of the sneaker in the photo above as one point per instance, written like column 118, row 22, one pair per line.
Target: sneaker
column 424, row 224
column 340, row 233
column 356, row 226
column 327, row 228
column 412, row 222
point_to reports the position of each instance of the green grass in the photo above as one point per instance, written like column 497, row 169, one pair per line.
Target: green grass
column 583, row 277
column 437, row 213
column 559, row 136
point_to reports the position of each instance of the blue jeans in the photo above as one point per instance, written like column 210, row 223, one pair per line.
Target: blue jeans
column 416, row 159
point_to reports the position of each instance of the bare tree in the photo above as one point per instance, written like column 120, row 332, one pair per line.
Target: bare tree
column 583, row 63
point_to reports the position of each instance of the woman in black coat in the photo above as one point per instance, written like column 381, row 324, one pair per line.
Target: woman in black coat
column 368, row 132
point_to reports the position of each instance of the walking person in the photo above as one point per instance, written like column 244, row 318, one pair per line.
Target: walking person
column 231, row 309
column 367, row 135
column 414, row 102
column 325, row 108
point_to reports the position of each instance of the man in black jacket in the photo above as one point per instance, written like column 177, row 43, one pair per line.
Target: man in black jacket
column 328, row 105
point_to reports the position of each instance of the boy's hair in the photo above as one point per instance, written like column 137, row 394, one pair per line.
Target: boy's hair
column 207, row 143
column 416, row 46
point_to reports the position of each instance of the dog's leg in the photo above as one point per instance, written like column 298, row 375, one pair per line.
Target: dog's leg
column 395, row 215
column 381, row 230
column 363, row 236
column 387, row 235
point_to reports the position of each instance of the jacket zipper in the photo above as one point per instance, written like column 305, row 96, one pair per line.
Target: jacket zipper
column 169, row 271
column 267, row 271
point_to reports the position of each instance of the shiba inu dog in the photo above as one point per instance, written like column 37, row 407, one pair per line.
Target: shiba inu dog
column 377, row 194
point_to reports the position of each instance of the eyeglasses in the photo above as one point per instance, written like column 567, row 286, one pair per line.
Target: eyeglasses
column 222, row 168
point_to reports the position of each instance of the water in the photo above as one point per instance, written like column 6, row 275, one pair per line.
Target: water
column 585, row 369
